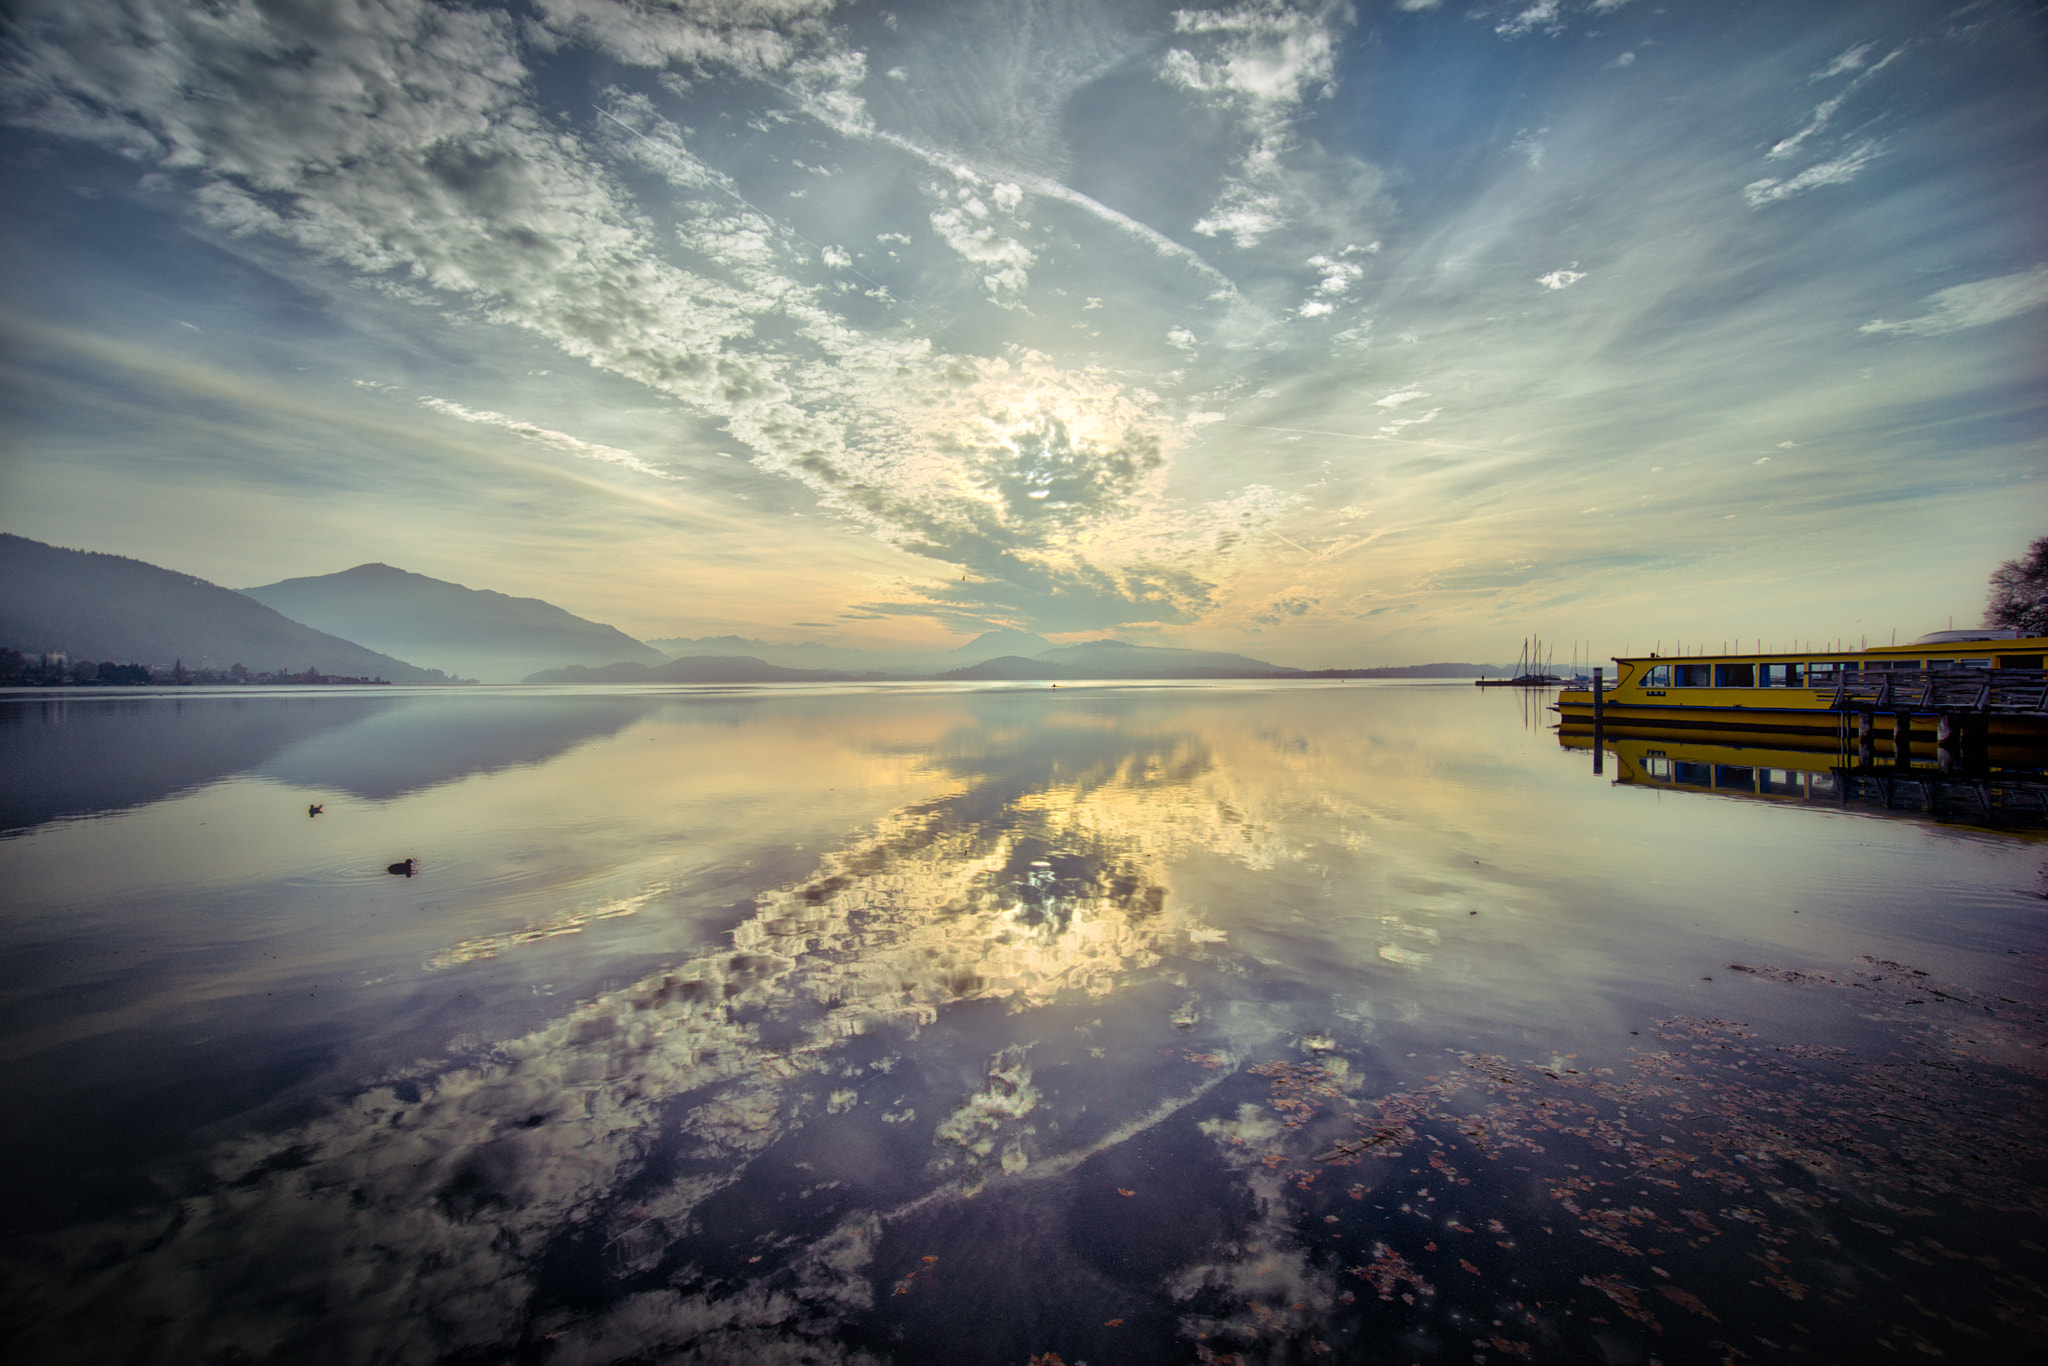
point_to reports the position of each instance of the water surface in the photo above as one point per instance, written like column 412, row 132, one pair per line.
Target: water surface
column 982, row 1024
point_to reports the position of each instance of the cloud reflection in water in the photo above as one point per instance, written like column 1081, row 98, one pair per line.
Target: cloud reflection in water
column 1070, row 1027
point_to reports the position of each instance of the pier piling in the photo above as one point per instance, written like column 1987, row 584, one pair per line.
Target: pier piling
column 1599, row 754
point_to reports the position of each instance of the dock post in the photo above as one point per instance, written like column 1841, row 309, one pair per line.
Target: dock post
column 1599, row 753
column 1902, row 738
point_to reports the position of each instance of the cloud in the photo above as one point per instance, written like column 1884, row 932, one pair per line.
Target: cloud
column 891, row 349
column 1828, row 108
column 561, row 441
column 408, row 152
column 1971, row 305
column 1261, row 61
column 1398, row 423
column 1279, row 610
column 1339, row 276
column 1851, row 60
column 1837, row 172
column 1541, row 15
column 753, row 36
column 1821, row 114
column 970, row 229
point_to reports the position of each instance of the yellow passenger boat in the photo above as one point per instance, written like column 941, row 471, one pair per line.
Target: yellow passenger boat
column 1987, row 685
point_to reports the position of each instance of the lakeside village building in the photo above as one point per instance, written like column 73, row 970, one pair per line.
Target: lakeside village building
column 56, row 670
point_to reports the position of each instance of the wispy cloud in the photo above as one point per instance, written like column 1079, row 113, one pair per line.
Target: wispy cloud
column 1837, row 172
column 561, row 441
column 1972, row 305
column 1824, row 112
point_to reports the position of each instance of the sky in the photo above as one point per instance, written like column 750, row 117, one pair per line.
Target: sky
column 1335, row 334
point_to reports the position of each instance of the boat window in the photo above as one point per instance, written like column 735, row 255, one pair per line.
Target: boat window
column 1778, row 676
column 2019, row 661
column 1692, row 675
column 1698, row 775
column 1824, row 673
column 1777, row 780
column 1734, row 776
column 1823, row 785
column 1941, row 663
column 1980, row 662
column 1658, row 767
column 1659, row 676
column 1893, row 664
column 1735, row 675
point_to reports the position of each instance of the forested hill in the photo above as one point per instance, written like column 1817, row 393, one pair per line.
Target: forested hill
column 475, row 632
column 93, row 606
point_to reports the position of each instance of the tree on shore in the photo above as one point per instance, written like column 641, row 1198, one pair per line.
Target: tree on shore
column 2019, row 592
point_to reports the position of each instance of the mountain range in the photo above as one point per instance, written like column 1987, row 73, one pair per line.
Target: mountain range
column 91, row 606
column 473, row 632
column 812, row 655
column 374, row 620
column 1089, row 659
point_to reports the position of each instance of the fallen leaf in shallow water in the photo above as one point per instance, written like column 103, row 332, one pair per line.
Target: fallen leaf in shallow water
column 1687, row 1300
column 1112, row 1323
column 1121, row 1191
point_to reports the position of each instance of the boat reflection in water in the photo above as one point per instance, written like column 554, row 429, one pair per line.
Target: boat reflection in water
column 1939, row 785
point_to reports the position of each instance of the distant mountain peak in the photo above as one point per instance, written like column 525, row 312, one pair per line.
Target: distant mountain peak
column 479, row 632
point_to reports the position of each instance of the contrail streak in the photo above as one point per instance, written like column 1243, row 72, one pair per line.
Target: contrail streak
column 1373, row 436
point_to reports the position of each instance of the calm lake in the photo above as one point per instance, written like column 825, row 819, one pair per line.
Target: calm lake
column 997, row 1024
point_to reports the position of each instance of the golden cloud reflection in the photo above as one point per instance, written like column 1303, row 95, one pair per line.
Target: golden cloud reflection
column 427, row 1198
column 554, row 927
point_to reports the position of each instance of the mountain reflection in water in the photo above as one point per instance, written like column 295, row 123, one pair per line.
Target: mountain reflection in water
column 918, row 1024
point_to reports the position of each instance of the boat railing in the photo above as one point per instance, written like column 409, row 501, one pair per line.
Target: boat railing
column 2004, row 692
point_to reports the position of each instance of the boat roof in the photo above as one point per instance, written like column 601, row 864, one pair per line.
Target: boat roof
column 1950, row 642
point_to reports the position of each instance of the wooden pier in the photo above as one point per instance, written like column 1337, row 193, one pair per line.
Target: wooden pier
column 1965, row 703
column 1944, row 692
